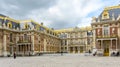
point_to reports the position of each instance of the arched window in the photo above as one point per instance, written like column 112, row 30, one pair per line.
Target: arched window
column 25, row 36
column 105, row 14
column 10, row 37
column 26, row 26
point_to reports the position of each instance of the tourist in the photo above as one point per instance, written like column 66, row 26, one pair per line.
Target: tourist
column 117, row 54
column 14, row 55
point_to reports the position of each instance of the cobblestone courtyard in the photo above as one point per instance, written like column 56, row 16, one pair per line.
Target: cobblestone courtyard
column 60, row 61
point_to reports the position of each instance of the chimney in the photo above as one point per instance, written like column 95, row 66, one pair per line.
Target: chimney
column 52, row 28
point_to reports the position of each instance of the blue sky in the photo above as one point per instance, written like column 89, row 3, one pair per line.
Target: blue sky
column 56, row 14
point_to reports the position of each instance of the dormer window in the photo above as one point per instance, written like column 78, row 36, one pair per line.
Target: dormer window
column 105, row 15
column 37, row 27
column 9, row 25
column 26, row 26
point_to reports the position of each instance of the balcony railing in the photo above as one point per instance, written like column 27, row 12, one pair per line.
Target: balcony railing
column 24, row 41
column 108, row 36
column 76, row 43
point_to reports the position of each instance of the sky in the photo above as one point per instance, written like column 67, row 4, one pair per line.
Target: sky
column 57, row 14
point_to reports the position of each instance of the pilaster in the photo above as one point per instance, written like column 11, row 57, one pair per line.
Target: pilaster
column 32, row 38
column 94, row 38
column 4, row 45
column 44, row 45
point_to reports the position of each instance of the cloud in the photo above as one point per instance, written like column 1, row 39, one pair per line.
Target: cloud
column 56, row 14
column 22, row 8
column 67, row 13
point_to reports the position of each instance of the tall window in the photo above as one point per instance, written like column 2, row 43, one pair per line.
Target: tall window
column 106, row 30
column 25, row 36
column 65, row 42
column 10, row 37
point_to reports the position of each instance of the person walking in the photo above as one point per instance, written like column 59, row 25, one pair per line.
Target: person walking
column 14, row 55
column 117, row 54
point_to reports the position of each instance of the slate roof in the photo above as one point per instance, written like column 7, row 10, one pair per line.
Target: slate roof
column 3, row 15
column 114, row 11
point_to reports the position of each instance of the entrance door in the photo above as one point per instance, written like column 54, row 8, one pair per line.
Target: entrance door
column 76, row 50
column 81, row 49
column 11, row 49
column 71, row 49
column 106, row 48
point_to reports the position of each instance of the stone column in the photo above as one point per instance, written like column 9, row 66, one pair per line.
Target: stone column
column 111, row 45
column 67, row 46
column 101, row 44
column 4, row 45
column 17, row 38
column 73, row 49
column 116, row 44
column 78, row 49
column 32, row 38
column 94, row 38
column 17, row 49
column 44, row 45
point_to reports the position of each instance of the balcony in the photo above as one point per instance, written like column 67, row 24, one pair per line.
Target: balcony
column 24, row 41
column 108, row 36
column 72, row 43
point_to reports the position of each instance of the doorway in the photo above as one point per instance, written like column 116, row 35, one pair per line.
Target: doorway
column 106, row 48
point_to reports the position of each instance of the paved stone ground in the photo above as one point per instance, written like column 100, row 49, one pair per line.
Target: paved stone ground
column 60, row 61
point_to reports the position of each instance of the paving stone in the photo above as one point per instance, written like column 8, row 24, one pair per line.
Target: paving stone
column 60, row 61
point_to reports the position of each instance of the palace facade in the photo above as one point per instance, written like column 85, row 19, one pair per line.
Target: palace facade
column 28, row 37
column 106, row 29
column 76, row 40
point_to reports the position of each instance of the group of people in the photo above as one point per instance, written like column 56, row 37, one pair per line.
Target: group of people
column 115, row 54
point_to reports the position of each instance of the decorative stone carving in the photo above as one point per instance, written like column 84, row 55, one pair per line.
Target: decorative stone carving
column 4, row 25
column 98, row 32
column 118, row 17
column 113, row 30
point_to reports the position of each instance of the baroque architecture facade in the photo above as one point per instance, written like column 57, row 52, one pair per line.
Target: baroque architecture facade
column 26, row 37
column 76, row 40
column 106, row 29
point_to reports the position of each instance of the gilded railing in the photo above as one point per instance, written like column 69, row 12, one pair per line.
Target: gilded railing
column 107, row 36
column 24, row 41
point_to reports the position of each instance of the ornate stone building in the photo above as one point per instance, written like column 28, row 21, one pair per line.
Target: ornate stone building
column 76, row 40
column 106, row 29
column 26, row 37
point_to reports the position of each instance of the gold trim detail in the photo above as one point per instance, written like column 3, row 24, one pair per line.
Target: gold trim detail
column 105, row 14
column 9, row 25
